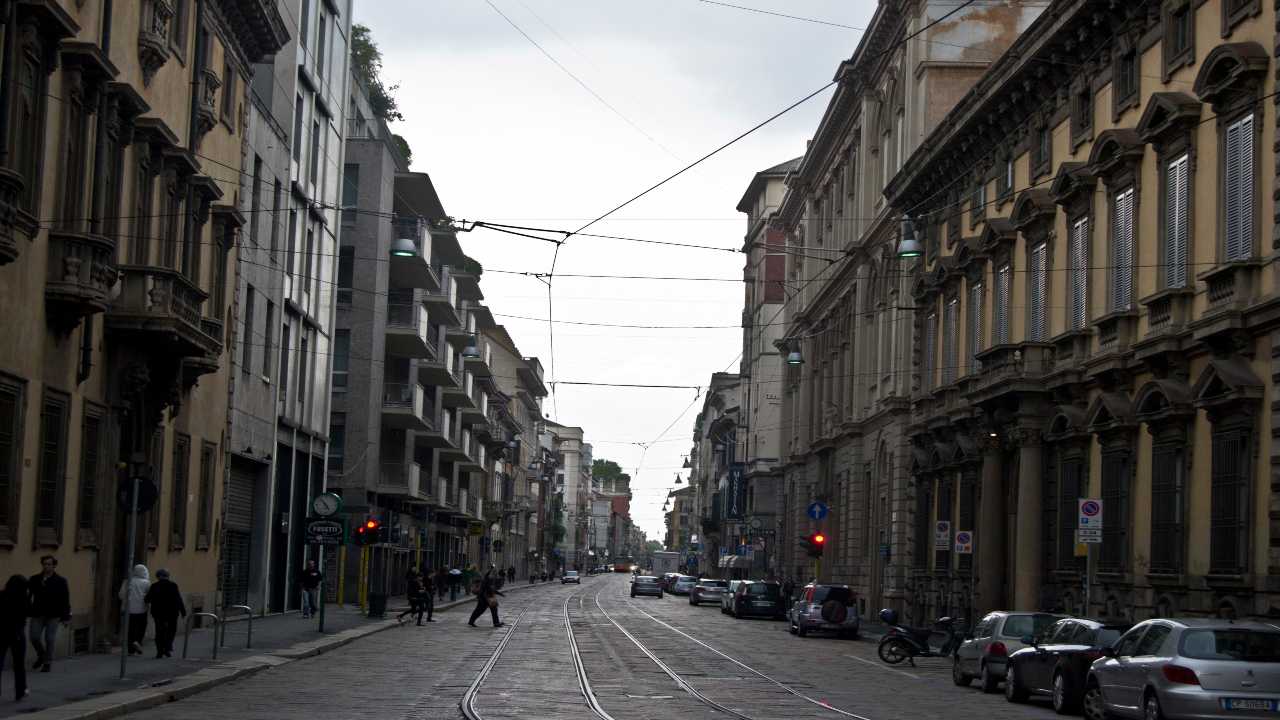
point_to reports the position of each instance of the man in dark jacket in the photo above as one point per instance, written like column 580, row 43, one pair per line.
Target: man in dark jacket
column 50, row 605
column 310, row 580
column 166, row 605
column 486, row 599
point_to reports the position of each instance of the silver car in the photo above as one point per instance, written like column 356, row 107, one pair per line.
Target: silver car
column 682, row 585
column 646, row 585
column 825, row 608
column 727, row 598
column 1188, row 668
column 986, row 654
column 708, row 590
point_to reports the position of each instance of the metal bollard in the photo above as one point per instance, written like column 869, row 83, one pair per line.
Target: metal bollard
column 248, row 643
column 186, row 639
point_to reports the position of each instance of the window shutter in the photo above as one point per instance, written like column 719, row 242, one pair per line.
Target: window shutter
column 1078, row 264
column 975, row 325
column 1036, row 326
column 1003, row 277
column 1239, row 189
column 1175, row 235
column 951, row 341
column 930, row 348
column 1122, row 252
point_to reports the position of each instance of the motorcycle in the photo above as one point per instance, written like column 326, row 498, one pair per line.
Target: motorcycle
column 903, row 642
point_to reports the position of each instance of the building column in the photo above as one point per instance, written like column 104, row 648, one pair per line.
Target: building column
column 990, row 535
column 1028, row 575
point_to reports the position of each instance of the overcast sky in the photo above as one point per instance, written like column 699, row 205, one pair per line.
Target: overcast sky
column 507, row 136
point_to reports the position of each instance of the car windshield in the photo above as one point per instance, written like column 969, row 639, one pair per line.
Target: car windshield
column 1107, row 636
column 1232, row 644
column 686, row 579
column 1017, row 626
column 713, row 583
column 823, row 593
column 571, row 573
column 764, row 590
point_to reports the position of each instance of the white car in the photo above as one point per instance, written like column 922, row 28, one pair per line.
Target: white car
column 571, row 576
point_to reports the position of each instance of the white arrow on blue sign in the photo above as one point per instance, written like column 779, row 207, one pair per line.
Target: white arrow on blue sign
column 817, row 510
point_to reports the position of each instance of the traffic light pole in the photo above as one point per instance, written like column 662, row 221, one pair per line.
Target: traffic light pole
column 322, row 589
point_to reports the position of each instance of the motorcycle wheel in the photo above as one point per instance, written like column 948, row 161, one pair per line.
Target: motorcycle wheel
column 894, row 651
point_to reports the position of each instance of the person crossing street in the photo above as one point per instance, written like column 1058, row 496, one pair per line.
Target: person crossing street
column 487, row 599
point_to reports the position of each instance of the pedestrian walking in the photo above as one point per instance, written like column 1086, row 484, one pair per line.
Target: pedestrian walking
column 788, row 587
column 134, row 594
column 486, row 599
column 442, row 582
column 165, row 600
column 413, row 592
column 428, row 597
column 15, row 605
column 511, row 574
column 50, row 605
column 310, row 579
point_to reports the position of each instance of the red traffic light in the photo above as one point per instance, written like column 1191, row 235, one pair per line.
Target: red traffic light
column 819, row 538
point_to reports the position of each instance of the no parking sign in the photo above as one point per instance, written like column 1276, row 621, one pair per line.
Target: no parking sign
column 964, row 542
column 1089, row 527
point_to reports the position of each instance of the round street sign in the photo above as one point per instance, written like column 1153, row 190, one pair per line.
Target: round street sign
column 1090, row 508
column 963, row 538
column 817, row 510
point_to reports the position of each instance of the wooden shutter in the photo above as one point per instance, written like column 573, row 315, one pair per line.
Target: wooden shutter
column 950, row 341
column 1036, row 325
column 930, row 349
column 1238, row 185
column 1003, row 277
column 975, row 324
column 1175, row 222
column 1078, row 274
column 1122, row 251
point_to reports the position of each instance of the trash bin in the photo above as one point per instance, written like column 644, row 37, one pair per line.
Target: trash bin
column 377, row 605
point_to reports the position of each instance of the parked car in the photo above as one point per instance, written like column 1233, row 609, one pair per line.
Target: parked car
column 986, row 654
column 757, row 598
column 727, row 598
column 825, row 608
column 571, row 576
column 708, row 590
column 682, row 585
column 667, row 580
column 1188, row 668
column 1057, row 664
column 646, row 585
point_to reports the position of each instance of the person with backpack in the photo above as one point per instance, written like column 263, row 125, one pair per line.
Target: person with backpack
column 487, row 599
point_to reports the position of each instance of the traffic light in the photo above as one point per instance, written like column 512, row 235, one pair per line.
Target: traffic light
column 814, row 543
column 367, row 532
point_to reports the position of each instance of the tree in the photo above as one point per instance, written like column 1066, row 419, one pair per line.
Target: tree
column 403, row 146
column 604, row 470
column 366, row 63
column 653, row 546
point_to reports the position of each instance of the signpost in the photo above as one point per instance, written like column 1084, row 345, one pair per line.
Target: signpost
column 964, row 542
column 942, row 535
column 138, row 496
column 1089, row 533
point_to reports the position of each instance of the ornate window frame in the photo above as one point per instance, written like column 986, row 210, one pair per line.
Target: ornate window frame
column 1173, row 60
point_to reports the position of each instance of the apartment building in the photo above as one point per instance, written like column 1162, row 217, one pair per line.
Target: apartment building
column 571, row 506
column 717, row 478
column 119, row 163
column 846, row 390
column 1096, row 299
column 681, row 530
column 285, row 291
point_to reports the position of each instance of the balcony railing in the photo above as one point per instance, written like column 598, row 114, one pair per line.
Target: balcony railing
column 157, row 299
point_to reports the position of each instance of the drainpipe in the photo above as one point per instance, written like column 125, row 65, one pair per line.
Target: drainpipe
column 197, row 70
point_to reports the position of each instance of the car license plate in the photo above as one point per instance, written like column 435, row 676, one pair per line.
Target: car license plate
column 1250, row 704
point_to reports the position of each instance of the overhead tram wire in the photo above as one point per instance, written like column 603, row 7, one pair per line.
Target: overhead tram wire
column 760, row 11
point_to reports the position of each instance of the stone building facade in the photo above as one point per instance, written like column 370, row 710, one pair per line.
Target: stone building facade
column 121, row 141
column 845, row 410
column 1098, row 315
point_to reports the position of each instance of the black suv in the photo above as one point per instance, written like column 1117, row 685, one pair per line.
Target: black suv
column 757, row 598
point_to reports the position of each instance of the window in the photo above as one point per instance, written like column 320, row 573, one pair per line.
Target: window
column 1122, row 250
column 350, row 192
column 297, row 124
column 1126, row 80
column 204, row 520
column 1152, row 641
column 315, row 151
column 337, row 441
column 968, row 513
column 1235, row 11
column 277, row 200
column 1168, row 507
column 292, row 242
column 1042, row 151
column 304, row 22
column 255, row 200
column 1115, row 501
column 1175, row 223
column 90, row 473
column 346, row 263
column 308, row 260
column 178, row 500
column 269, row 335
column 1004, row 186
column 1238, row 194
column 1229, row 501
column 341, row 359
column 975, row 324
column 284, row 364
column 1037, row 277
column 74, row 157
column 28, row 119
column 51, row 486
column 1004, row 278
column 1082, row 112
column 1129, row 643
column 302, row 367
column 978, row 202
column 930, row 351
column 1071, row 483
column 1179, row 36
column 178, row 35
column 1078, row 275
column 321, row 57
column 246, row 359
column 229, row 93
column 950, row 341
column 11, row 409
column 143, row 191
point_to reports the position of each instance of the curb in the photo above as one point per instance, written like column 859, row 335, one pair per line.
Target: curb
column 124, row 702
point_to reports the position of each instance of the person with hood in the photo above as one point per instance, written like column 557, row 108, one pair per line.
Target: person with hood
column 487, row 599
column 50, row 605
column 133, row 592
column 14, row 608
column 166, row 603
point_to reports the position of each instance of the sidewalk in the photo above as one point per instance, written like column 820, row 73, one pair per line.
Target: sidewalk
column 88, row 686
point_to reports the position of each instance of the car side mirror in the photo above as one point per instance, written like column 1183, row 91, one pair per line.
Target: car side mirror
column 1107, row 651
column 1028, row 640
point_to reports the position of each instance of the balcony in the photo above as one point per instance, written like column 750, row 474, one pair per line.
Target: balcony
column 460, row 335
column 80, row 273
column 412, row 271
column 445, row 496
column 1231, row 289
column 207, row 109
column 159, row 305
column 469, row 506
column 407, row 325
column 195, row 366
column 440, row 368
column 469, row 415
column 473, row 453
column 480, row 366
column 1008, row 369
column 443, row 303
column 462, row 394
column 440, row 435
column 402, row 407
column 1169, row 312
column 401, row 479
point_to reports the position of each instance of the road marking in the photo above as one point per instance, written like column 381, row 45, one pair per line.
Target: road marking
column 882, row 667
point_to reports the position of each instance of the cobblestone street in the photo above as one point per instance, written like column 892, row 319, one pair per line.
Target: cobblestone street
column 425, row 672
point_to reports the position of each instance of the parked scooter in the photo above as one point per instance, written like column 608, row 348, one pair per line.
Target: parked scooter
column 903, row 642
